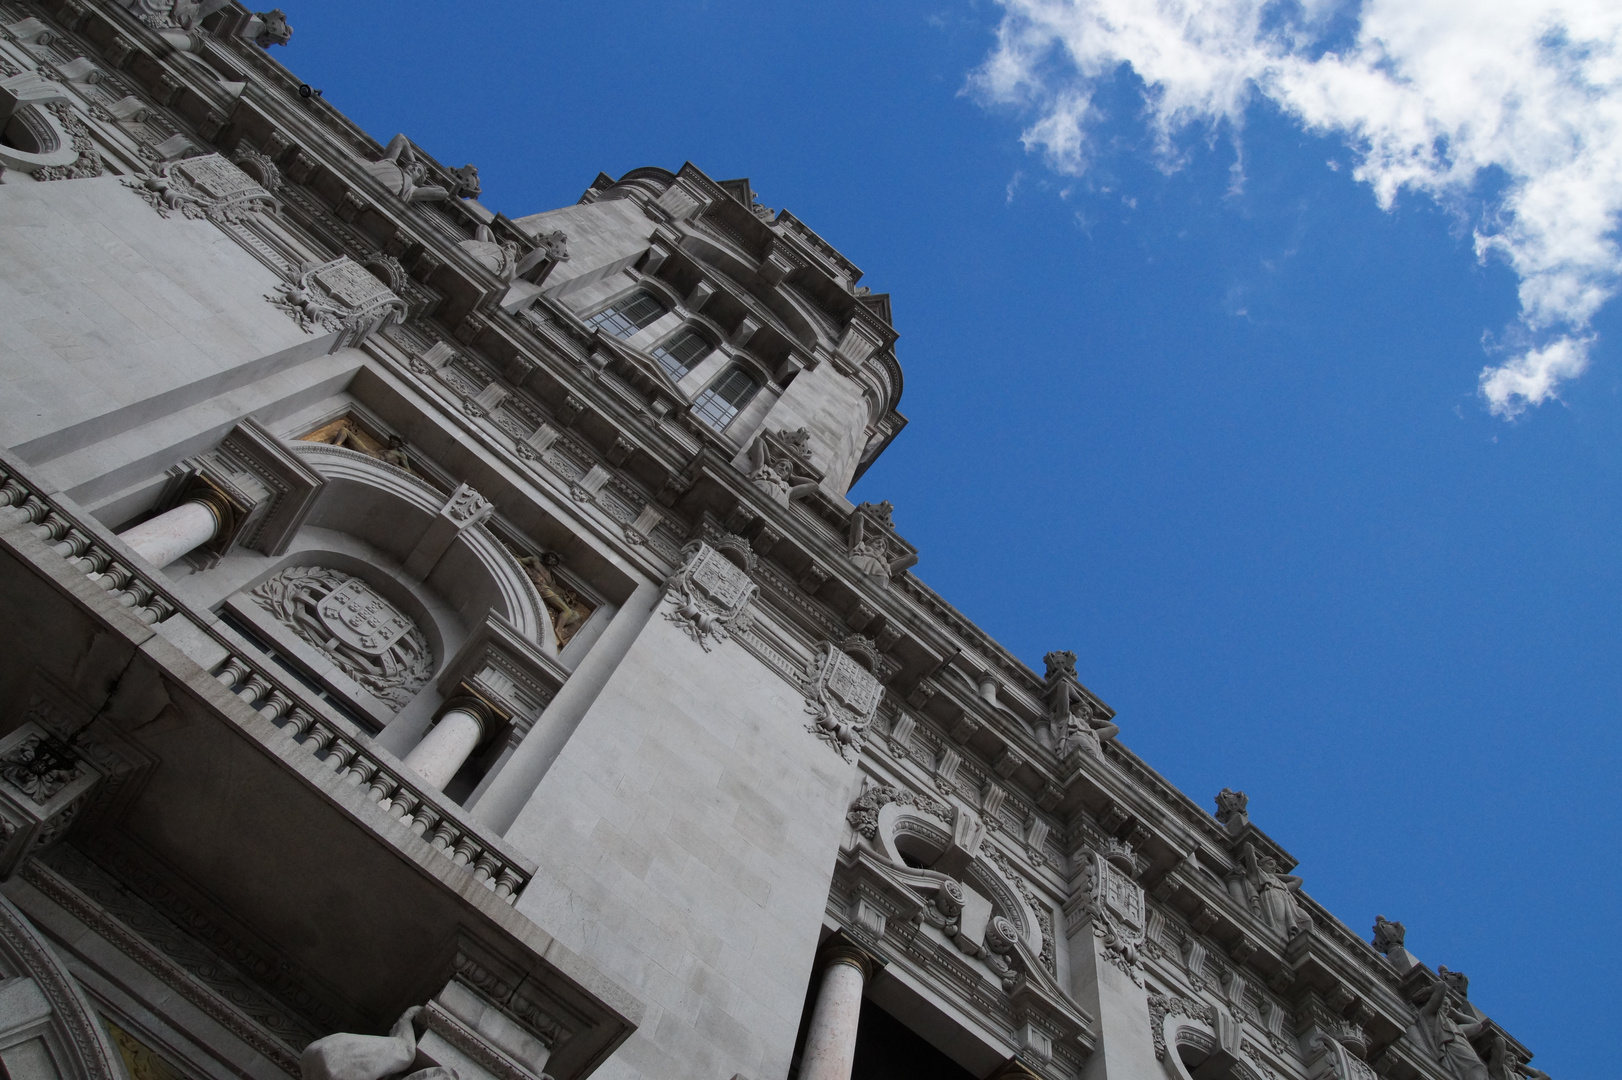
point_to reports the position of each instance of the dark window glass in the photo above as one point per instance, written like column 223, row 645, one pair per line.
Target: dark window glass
column 628, row 314
column 724, row 398
column 681, row 352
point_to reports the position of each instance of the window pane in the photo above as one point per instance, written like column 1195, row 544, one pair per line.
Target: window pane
column 680, row 354
column 722, row 400
column 628, row 314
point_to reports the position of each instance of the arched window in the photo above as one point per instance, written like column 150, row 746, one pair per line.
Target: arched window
column 680, row 352
column 630, row 313
column 724, row 398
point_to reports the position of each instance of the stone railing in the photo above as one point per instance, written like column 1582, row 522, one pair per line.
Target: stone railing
column 333, row 742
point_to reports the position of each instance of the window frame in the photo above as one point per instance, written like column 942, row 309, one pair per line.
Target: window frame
column 737, row 365
column 599, row 319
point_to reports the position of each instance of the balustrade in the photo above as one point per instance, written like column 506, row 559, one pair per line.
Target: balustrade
column 345, row 751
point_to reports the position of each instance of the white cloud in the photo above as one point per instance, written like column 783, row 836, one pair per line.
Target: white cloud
column 1441, row 97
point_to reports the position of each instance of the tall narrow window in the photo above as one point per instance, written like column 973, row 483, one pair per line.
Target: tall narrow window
column 724, row 398
column 628, row 314
column 681, row 352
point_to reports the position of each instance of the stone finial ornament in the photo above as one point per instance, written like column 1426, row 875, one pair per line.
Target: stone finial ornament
column 267, row 28
column 1231, row 806
column 1387, row 934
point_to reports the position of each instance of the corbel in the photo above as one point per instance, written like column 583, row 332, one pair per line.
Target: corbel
column 570, row 410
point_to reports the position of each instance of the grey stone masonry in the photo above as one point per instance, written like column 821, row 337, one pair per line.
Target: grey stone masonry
column 441, row 643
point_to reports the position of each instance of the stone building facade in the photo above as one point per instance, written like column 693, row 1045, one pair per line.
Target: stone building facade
column 441, row 643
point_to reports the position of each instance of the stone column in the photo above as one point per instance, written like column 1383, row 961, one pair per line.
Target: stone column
column 830, row 1044
column 451, row 741
column 175, row 532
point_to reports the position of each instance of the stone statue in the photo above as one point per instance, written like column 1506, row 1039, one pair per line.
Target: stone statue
column 1504, row 1064
column 349, row 435
column 369, row 1057
column 500, row 257
column 1071, row 717
column 403, row 174
column 566, row 609
column 1276, row 891
column 777, row 474
column 1388, row 938
column 1443, row 1032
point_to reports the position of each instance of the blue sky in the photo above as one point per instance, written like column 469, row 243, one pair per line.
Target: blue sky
column 1227, row 442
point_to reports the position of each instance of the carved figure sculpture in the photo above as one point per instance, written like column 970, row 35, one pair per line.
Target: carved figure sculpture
column 351, row 436
column 500, row 257
column 403, row 173
column 877, row 554
column 369, row 1057
column 1086, row 730
column 1443, row 1032
column 1504, row 1064
column 1275, row 890
column 567, row 610
column 779, row 475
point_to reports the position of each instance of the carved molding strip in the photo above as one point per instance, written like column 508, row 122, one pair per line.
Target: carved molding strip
column 72, row 1010
column 137, row 948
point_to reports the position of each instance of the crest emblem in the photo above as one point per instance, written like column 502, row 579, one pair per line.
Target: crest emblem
column 361, row 619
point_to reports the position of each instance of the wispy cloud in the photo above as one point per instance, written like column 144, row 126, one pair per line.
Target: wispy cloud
column 1509, row 111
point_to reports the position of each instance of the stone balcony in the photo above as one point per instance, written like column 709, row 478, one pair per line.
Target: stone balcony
column 187, row 768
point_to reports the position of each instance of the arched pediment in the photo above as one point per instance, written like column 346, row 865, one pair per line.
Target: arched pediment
column 393, row 511
column 907, row 831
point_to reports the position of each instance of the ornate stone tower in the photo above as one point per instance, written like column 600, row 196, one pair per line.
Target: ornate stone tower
column 428, row 622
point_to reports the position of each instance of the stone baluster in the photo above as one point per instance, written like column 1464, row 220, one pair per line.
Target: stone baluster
column 451, row 741
column 830, row 1044
column 183, row 529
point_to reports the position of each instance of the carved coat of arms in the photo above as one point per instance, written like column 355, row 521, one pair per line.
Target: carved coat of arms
column 844, row 697
column 1115, row 905
column 371, row 641
column 709, row 595
column 361, row 619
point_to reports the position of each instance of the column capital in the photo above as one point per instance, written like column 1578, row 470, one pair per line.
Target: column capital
column 468, row 701
column 840, row 949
